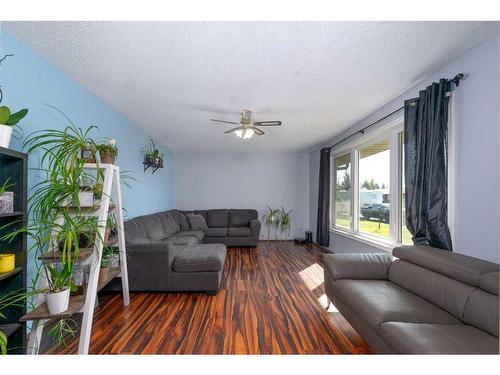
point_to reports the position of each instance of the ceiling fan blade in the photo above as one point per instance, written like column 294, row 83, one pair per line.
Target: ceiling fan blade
column 267, row 123
column 232, row 130
column 226, row 122
column 257, row 131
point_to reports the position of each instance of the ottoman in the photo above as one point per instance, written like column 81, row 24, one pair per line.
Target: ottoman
column 198, row 268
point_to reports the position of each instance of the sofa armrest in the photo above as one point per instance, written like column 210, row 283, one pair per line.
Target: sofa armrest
column 363, row 266
column 255, row 227
column 149, row 266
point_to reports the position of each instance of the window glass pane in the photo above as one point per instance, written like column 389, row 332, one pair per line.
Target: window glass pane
column 405, row 233
column 374, row 182
column 342, row 197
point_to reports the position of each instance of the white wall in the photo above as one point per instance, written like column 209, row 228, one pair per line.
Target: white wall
column 477, row 218
column 207, row 180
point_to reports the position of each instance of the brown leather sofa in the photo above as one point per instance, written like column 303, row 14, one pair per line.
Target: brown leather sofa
column 422, row 301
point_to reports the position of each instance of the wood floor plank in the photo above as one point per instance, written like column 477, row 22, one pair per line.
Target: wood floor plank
column 271, row 301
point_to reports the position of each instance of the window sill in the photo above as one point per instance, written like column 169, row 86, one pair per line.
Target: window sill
column 382, row 245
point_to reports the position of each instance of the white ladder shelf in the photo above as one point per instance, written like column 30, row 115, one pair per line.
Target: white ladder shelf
column 86, row 303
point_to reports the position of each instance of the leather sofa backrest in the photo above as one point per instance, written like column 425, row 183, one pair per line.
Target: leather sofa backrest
column 217, row 218
column 464, row 286
column 481, row 311
column 449, row 294
column 241, row 217
column 457, row 266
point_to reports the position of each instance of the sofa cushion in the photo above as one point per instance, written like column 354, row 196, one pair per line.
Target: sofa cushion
column 457, row 266
column 449, row 294
column 217, row 218
column 135, row 232
column 239, row 232
column 197, row 212
column 181, row 240
column 241, row 217
column 196, row 221
column 379, row 301
column 201, row 258
column 482, row 311
column 490, row 282
column 215, row 232
column 153, row 226
column 170, row 226
column 194, row 233
column 410, row 338
column 183, row 222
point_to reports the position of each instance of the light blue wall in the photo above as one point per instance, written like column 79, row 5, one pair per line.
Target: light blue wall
column 28, row 80
column 477, row 183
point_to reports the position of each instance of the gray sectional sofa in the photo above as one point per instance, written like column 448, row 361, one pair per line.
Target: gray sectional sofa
column 423, row 301
column 165, row 254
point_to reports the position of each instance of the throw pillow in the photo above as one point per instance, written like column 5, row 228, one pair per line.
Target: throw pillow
column 196, row 221
column 183, row 222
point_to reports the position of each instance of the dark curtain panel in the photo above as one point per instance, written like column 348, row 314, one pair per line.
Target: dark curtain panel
column 426, row 119
column 323, row 224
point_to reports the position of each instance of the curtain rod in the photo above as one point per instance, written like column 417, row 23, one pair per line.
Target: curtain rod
column 456, row 80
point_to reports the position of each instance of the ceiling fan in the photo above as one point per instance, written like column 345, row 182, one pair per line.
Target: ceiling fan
column 247, row 128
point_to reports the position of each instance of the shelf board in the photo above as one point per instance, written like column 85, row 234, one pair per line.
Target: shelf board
column 15, row 271
column 12, row 214
column 75, row 305
column 9, row 329
column 83, row 254
column 113, row 272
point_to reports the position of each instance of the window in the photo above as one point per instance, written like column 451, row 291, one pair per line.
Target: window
column 374, row 189
column 368, row 200
column 342, row 197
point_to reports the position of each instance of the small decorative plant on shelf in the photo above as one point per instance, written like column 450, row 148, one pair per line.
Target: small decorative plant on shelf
column 108, row 152
column 153, row 157
column 6, row 198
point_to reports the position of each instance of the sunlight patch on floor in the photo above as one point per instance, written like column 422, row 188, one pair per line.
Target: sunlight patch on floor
column 313, row 276
column 323, row 301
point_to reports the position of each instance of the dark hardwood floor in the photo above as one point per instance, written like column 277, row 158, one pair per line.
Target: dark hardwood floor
column 271, row 302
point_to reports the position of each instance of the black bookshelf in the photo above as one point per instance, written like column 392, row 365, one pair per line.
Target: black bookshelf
column 14, row 164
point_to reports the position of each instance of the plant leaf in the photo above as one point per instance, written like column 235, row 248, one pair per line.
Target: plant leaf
column 16, row 117
column 4, row 114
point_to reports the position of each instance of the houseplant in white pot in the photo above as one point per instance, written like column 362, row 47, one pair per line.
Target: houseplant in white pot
column 8, row 121
column 60, row 284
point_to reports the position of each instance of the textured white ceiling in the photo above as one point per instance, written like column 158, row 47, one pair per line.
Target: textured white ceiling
column 318, row 78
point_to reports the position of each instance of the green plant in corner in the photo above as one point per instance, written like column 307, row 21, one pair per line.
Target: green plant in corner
column 271, row 219
column 285, row 221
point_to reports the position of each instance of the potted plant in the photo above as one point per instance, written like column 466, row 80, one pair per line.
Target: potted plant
column 6, row 198
column 104, row 270
column 112, row 256
column 153, row 157
column 284, row 220
column 60, row 285
column 271, row 219
column 8, row 121
column 108, row 152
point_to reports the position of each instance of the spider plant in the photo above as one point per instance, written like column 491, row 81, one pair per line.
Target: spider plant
column 5, row 186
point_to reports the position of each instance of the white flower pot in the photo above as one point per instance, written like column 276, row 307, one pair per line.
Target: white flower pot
column 5, row 135
column 57, row 302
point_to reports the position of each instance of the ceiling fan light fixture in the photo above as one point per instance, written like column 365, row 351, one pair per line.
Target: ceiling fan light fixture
column 244, row 133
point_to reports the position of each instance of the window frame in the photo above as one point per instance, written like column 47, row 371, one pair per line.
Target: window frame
column 392, row 131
